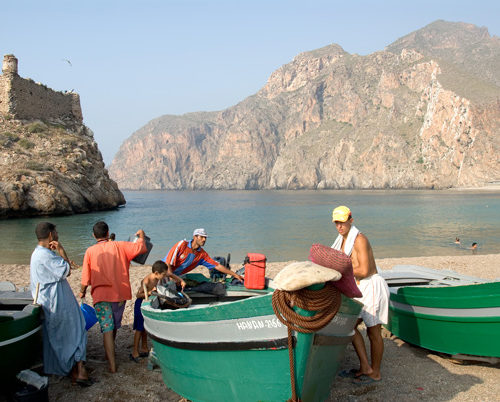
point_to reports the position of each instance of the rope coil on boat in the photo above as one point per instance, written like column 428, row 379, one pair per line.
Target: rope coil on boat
column 325, row 302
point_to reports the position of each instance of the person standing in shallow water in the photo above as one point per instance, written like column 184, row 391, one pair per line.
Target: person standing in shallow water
column 64, row 334
column 375, row 297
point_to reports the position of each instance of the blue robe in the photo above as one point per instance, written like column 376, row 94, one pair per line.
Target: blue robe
column 64, row 334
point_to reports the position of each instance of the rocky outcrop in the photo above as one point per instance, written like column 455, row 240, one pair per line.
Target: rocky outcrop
column 416, row 115
column 52, row 168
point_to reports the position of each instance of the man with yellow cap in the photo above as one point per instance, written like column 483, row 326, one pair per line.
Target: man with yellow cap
column 375, row 297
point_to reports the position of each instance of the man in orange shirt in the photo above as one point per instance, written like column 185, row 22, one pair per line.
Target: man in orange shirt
column 185, row 256
column 106, row 269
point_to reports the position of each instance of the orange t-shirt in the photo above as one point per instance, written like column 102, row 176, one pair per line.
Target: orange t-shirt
column 106, row 269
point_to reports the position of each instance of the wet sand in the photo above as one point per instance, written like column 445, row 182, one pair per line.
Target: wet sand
column 409, row 373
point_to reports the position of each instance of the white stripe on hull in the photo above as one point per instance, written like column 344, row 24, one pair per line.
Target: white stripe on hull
column 20, row 337
column 449, row 312
column 261, row 328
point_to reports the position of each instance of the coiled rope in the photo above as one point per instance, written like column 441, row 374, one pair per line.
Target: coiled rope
column 326, row 302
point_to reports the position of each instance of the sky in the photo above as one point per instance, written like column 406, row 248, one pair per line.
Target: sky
column 133, row 61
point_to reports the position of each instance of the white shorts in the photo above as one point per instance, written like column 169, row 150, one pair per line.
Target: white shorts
column 375, row 300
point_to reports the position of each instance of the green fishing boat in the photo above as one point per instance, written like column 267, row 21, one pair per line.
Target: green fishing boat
column 20, row 332
column 444, row 311
column 234, row 348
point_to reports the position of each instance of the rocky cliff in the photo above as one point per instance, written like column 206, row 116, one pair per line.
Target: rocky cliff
column 52, row 168
column 423, row 113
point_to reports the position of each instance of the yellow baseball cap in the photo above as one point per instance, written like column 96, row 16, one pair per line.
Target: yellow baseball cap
column 341, row 214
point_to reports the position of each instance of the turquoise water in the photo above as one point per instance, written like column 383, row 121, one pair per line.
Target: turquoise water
column 280, row 224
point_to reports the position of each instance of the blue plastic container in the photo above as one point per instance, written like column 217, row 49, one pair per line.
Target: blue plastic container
column 89, row 315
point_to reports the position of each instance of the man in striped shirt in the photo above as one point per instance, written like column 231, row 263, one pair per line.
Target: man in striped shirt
column 185, row 256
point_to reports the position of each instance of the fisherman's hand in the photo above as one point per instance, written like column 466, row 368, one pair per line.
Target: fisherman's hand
column 183, row 284
column 54, row 245
column 239, row 277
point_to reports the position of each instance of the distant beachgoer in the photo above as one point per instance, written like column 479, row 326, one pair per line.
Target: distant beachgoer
column 375, row 297
column 159, row 271
column 185, row 256
column 64, row 334
column 112, row 237
column 106, row 269
column 457, row 240
column 474, row 248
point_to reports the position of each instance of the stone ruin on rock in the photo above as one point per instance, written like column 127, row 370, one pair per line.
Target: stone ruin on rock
column 24, row 99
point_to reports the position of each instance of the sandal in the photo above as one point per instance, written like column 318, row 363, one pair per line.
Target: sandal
column 352, row 373
column 84, row 383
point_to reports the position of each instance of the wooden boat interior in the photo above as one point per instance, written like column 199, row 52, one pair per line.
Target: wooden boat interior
column 233, row 293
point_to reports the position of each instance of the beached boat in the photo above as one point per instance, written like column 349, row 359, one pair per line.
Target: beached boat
column 234, row 348
column 20, row 331
column 444, row 311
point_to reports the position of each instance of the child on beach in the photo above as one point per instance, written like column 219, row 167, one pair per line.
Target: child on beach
column 159, row 271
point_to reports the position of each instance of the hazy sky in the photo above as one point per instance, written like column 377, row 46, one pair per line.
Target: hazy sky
column 132, row 61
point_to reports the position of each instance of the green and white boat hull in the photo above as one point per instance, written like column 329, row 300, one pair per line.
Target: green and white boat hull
column 237, row 350
column 450, row 313
column 20, row 333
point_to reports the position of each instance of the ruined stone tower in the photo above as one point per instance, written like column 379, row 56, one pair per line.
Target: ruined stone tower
column 9, row 65
column 26, row 100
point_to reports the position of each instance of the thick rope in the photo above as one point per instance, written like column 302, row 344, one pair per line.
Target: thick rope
column 326, row 302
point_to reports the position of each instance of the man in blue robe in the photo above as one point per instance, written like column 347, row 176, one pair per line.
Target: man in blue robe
column 64, row 334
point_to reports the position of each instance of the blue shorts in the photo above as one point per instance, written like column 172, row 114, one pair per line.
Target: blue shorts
column 109, row 315
column 138, row 318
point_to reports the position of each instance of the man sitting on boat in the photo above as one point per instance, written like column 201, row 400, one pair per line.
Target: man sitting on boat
column 375, row 297
column 185, row 256
column 64, row 334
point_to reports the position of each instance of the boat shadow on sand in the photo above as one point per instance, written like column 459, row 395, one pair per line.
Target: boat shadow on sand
column 414, row 373
column 410, row 373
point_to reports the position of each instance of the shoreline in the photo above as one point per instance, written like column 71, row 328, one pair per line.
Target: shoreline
column 409, row 373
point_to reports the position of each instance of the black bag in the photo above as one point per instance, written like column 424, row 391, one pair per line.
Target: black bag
column 172, row 303
column 211, row 288
column 217, row 276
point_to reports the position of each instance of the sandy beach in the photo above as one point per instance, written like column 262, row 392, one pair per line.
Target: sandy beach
column 409, row 373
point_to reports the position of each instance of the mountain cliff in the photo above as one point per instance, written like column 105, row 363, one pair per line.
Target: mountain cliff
column 52, row 169
column 423, row 113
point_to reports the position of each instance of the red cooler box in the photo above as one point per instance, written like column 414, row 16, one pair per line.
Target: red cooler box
column 255, row 271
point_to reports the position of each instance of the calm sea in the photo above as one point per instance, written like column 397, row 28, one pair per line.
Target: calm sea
column 280, row 224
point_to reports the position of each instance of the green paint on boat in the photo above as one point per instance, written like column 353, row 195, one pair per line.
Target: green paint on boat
column 234, row 370
column 20, row 342
column 455, row 297
column 449, row 319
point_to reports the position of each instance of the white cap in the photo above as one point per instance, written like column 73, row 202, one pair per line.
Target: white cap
column 200, row 232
